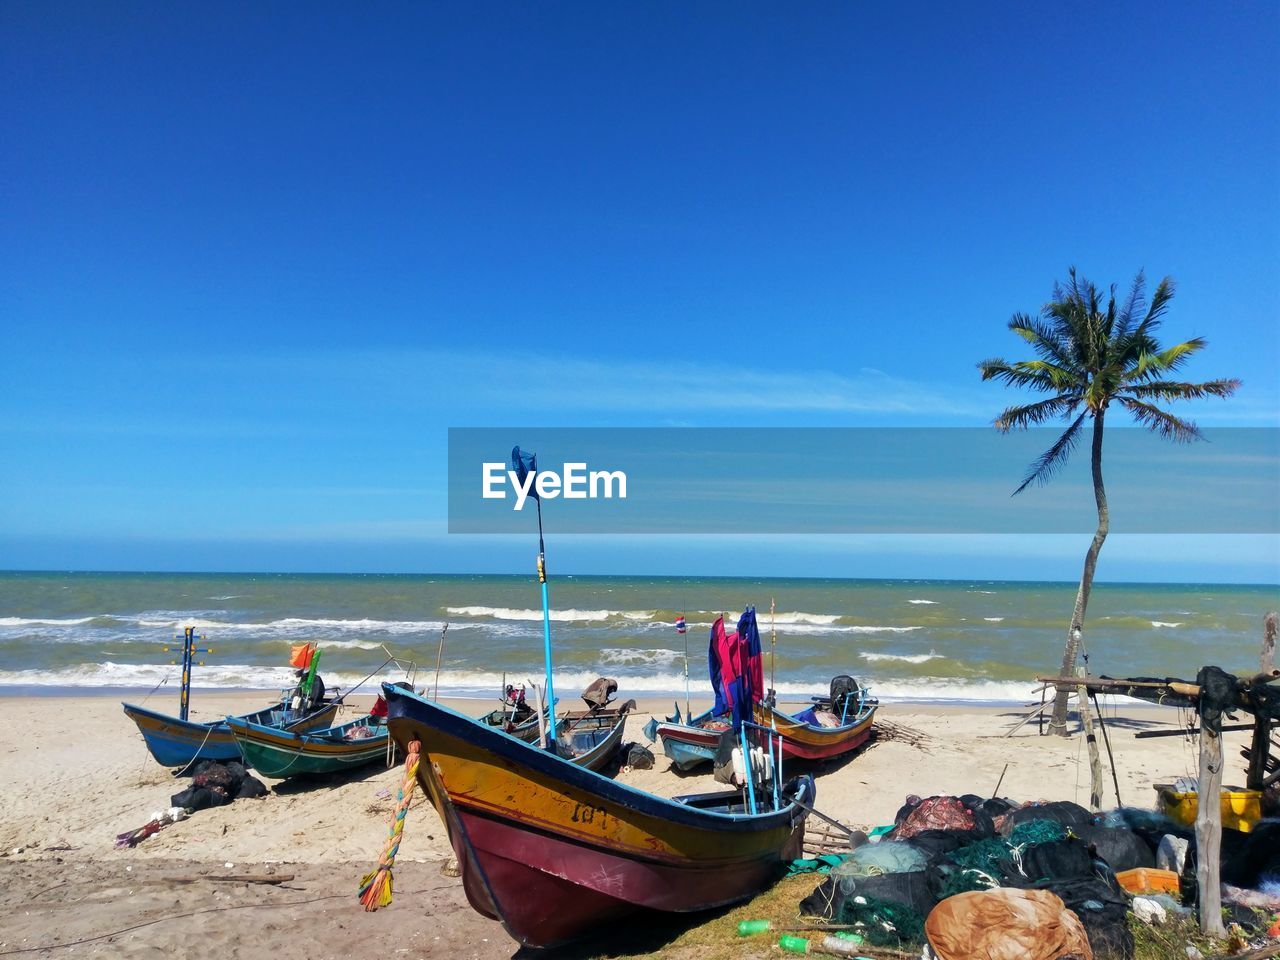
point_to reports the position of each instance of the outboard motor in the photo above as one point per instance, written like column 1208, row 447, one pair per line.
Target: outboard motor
column 844, row 687
column 600, row 692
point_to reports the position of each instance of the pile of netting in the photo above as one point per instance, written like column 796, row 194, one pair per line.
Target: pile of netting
column 944, row 847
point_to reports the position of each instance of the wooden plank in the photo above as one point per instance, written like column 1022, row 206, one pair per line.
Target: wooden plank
column 1184, row 732
column 1209, row 833
column 271, row 878
column 1098, row 683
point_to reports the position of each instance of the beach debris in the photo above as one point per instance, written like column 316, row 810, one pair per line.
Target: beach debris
column 159, row 820
column 1006, row 924
column 1149, row 911
column 215, row 784
column 821, row 838
column 450, row 868
column 269, row 878
column 639, row 757
column 794, row 944
column 832, row 945
column 892, row 731
column 375, row 887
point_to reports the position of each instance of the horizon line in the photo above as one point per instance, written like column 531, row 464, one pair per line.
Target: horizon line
column 627, row 576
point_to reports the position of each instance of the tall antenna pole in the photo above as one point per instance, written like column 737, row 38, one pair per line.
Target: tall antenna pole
column 773, row 654
column 546, row 625
column 188, row 648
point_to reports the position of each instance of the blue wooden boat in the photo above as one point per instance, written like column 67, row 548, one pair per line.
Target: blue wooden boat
column 176, row 743
column 690, row 743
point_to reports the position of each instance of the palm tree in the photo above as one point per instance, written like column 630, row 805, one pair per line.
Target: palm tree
column 1090, row 357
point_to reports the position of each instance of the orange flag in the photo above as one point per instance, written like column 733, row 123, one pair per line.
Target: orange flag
column 301, row 654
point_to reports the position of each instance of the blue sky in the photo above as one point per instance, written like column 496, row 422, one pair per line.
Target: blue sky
column 254, row 261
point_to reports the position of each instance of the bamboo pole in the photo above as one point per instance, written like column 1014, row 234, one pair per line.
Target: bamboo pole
column 1091, row 740
column 1111, row 757
column 1098, row 683
column 773, row 654
column 435, row 694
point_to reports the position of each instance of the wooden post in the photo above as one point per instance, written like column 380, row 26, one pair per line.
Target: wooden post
column 1209, row 829
column 1095, row 761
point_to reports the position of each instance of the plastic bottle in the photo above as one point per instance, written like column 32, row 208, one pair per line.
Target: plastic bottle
column 793, row 944
column 749, row 928
column 850, row 936
column 836, row 946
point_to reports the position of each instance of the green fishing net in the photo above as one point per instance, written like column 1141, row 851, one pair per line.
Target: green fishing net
column 1036, row 831
column 884, row 923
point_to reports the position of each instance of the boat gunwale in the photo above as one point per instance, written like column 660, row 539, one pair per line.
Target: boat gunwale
column 823, row 732
column 318, row 742
column 588, row 780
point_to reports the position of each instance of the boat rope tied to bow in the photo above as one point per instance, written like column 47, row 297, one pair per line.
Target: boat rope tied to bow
column 375, row 888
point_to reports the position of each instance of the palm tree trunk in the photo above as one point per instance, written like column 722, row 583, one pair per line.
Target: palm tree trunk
column 1058, row 723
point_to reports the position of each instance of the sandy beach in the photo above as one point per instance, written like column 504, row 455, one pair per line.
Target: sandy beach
column 76, row 774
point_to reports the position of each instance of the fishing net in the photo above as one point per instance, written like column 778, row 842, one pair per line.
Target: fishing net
column 822, row 864
column 884, row 923
column 888, row 856
column 985, row 856
column 1036, row 831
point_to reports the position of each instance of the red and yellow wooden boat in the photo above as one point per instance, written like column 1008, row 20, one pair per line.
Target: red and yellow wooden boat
column 555, row 851
column 852, row 714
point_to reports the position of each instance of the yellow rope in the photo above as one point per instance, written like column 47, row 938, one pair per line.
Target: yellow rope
column 375, row 888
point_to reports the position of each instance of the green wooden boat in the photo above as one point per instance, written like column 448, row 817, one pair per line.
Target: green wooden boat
column 279, row 753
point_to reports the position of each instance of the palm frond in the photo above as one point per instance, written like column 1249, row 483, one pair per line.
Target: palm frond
column 1017, row 375
column 1109, row 325
column 1020, row 418
column 1161, row 421
column 1159, row 305
column 1053, row 459
column 1149, row 364
column 1048, row 340
column 1174, row 390
column 1133, row 306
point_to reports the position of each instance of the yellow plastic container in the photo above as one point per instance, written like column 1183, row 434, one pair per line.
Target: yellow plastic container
column 1143, row 880
column 1241, row 809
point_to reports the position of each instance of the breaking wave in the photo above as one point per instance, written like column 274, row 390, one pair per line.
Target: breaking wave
column 901, row 657
column 558, row 616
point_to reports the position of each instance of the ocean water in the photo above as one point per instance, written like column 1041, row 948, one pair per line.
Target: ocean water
column 909, row 639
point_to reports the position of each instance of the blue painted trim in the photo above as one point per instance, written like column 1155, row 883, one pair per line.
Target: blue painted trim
column 404, row 705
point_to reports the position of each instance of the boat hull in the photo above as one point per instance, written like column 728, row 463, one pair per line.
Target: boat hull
column 177, row 743
column 554, row 850
column 806, row 741
column 604, row 729
column 279, row 754
column 526, row 730
column 687, row 746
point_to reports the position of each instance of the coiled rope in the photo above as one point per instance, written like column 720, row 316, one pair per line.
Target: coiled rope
column 375, row 888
